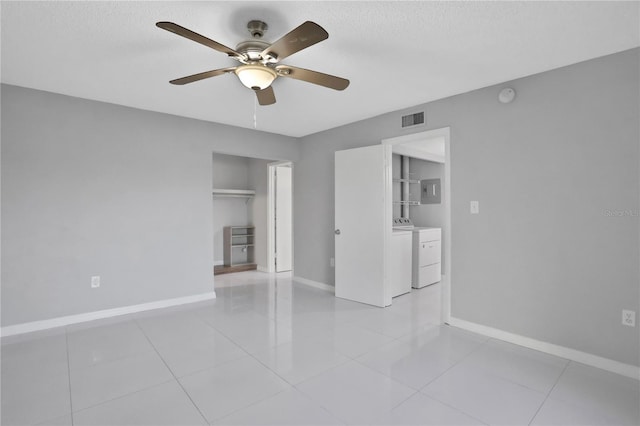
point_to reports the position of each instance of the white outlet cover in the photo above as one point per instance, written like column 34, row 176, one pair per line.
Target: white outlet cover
column 629, row 318
column 95, row 282
column 474, row 207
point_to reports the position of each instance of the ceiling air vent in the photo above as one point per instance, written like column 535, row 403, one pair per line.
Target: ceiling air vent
column 413, row 119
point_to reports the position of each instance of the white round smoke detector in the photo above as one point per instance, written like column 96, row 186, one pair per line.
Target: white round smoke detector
column 507, row 95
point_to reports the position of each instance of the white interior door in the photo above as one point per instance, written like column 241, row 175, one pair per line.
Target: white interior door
column 363, row 224
column 283, row 219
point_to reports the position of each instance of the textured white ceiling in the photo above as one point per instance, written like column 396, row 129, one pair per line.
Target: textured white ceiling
column 396, row 54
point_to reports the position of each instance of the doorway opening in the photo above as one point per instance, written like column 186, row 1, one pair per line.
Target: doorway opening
column 280, row 217
column 429, row 155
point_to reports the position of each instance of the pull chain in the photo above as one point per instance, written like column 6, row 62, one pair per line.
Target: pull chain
column 255, row 112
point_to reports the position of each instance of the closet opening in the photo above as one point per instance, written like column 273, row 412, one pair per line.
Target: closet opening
column 245, row 194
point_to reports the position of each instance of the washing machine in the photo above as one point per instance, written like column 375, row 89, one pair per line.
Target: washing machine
column 401, row 258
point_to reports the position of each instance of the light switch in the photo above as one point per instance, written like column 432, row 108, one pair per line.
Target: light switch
column 475, row 207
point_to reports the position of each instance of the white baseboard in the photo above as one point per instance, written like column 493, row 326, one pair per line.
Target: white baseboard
column 29, row 327
column 218, row 262
column 262, row 268
column 316, row 284
column 617, row 367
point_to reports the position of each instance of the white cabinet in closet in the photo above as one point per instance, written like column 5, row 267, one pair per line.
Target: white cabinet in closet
column 239, row 242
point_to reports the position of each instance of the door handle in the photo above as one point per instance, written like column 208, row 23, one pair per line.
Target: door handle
column 337, row 232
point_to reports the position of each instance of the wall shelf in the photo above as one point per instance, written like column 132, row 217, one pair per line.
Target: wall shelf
column 408, row 203
column 407, row 180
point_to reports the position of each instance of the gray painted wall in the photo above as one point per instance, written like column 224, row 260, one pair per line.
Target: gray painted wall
column 542, row 259
column 230, row 171
column 90, row 188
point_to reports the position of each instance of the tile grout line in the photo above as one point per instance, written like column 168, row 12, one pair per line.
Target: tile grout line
column 455, row 364
column 516, row 383
column 326, row 410
column 123, row 396
column 293, row 386
column 453, row 408
column 171, row 371
column 549, row 393
column 320, row 404
column 416, row 391
column 247, row 406
column 464, row 358
column 250, row 356
column 419, row 391
column 135, row 320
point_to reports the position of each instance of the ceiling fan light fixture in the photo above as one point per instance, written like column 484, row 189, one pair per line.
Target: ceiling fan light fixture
column 259, row 59
column 256, row 77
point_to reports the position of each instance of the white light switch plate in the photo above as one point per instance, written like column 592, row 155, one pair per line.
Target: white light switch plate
column 629, row 318
column 95, row 281
column 475, row 207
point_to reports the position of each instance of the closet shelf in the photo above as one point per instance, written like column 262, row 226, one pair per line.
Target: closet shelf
column 408, row 203
column 238, row 193
column 407, row 180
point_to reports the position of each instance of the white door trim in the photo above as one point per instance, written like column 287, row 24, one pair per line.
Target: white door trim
column 445, row 133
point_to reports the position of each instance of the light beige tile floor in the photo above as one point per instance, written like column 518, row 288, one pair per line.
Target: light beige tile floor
column 272, row 351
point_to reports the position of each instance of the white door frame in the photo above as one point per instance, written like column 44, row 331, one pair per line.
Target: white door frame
column 271, row 219
column 423, row 136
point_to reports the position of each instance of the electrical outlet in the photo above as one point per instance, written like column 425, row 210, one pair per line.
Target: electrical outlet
column 332, row 262
column 475, row 207
column 629, row 318
column 95, row 281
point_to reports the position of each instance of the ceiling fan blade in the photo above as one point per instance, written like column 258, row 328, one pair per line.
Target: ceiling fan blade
column 201, row 76
column 266, row 96
column 186, row 33
column 297, row 39
column 314, row 77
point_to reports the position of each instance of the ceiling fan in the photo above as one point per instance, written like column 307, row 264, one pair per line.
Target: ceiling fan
column 259, row 59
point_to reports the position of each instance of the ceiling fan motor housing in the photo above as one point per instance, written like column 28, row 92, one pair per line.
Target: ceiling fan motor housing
column 257, row 28
column 252, row 49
